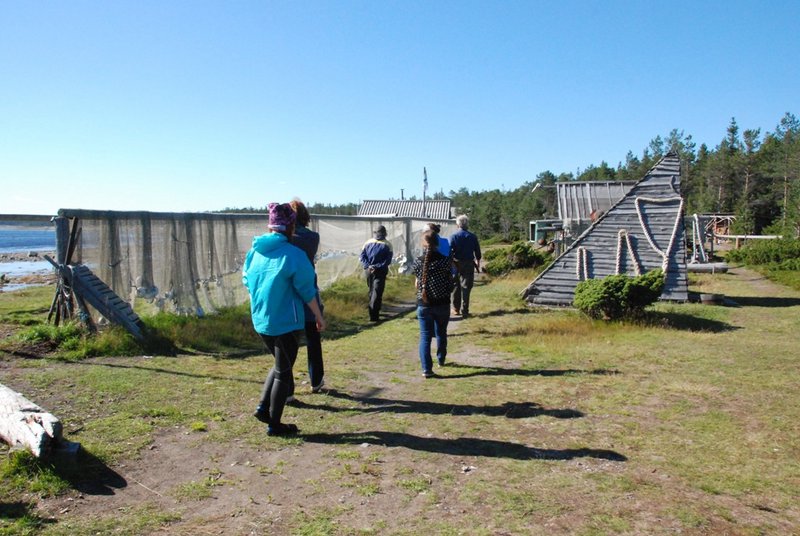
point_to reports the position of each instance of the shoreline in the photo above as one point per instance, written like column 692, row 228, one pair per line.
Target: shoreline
column 25, row 270
column 26, row 256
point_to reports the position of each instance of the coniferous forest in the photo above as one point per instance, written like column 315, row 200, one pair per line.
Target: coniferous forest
column 751, row 174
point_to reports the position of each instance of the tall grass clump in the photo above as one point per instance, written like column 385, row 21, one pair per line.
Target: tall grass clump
column 228, row 329
column 73, row 340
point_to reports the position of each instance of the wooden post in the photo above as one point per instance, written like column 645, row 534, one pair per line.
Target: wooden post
column 62, row 239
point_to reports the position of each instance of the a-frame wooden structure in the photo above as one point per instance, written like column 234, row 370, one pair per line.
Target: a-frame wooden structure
column 643, row 231
column 77, row 286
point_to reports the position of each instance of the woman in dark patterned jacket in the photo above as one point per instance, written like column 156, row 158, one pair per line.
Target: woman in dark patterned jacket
column 434, row 284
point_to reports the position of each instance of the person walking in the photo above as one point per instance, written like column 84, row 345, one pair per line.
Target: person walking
column 308, row 241
column 444, row 244
column 280, row 279
column 467, row 258
column 433, row 281
column 376, row 256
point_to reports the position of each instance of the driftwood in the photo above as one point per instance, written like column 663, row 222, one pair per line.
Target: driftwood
column 23, row 423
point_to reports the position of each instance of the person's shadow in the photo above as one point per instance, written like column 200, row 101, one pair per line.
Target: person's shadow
column 86, row 473
column 511, row 410
column 462, row 446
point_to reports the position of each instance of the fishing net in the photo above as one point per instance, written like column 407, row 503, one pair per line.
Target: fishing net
column 190, row 263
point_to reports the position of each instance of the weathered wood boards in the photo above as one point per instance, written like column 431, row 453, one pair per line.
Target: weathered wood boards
column 23, row 423
column 641, row 232
column 89, row 288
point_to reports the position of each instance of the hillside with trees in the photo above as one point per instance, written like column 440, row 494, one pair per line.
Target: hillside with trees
column 752, row 175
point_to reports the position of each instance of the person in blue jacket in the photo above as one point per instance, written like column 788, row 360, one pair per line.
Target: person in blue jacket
column 376, row 256
column 280, row 280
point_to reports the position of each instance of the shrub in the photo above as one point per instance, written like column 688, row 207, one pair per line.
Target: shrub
column 618, row 296
column 759, row 252
column 518, row 255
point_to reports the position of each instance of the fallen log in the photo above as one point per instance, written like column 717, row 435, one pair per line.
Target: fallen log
column 23, row 423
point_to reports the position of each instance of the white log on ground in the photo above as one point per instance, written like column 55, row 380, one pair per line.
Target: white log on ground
column 23, row 423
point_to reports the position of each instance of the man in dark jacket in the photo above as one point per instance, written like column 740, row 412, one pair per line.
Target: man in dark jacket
column 467, row 256
column 376, row 256
column 308, row 241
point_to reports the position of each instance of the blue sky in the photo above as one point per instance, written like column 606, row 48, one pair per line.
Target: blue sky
column 202, row 105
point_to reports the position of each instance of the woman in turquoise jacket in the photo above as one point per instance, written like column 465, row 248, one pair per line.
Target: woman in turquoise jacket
column 280, row 279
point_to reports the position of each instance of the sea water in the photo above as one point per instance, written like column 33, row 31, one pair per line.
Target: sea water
column 18, row 239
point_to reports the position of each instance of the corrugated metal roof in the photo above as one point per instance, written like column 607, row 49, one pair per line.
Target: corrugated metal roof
column 630, row 237
column 577, row 200
column 436, row 209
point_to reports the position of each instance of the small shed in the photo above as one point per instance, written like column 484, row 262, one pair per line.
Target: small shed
column 434, row 209
column 642, row 231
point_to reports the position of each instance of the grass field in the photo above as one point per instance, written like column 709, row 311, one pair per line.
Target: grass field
column 543, row 422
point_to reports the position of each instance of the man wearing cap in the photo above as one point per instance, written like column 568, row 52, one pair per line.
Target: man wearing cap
column 376, row 256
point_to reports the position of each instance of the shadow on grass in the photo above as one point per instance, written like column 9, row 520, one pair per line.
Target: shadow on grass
column 475, row 370
column 501, row 312
column 684, row 322
column 511, row 410
column 173, row 372
column 87, row 473
column 761, row 301
column 462, row 446
column 389, row 312
column 23, row 515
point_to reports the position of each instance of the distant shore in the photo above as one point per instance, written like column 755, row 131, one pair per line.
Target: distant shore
column 21, row 269
column 26, row 256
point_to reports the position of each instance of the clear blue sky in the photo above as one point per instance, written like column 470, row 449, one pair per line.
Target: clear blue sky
column 201, row 105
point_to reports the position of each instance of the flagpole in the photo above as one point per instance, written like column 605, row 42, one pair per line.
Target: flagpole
column 424, row 191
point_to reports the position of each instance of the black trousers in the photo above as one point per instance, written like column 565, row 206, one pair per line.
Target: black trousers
column 376, row 282
column 280, row 382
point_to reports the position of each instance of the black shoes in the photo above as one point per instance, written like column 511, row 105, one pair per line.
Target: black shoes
column 282, row 429
column 262, row 416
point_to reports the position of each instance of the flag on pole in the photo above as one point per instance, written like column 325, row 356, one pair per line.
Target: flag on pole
column 424, row 181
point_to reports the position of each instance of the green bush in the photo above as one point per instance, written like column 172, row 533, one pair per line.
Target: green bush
column 618, row 296
column 518, row 255
column 757, row 252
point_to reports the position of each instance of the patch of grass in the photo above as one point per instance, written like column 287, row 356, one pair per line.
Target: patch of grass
column 321, row 523
column 116, row 436
column 277, row 469
column 198, row 426
column 21, row 471
column 347, row 455
column 790, row 278
column 416, row 485
column 199, row 490
column 27, row 306
column 368, row 489
column 229, row 329
column 126, row 521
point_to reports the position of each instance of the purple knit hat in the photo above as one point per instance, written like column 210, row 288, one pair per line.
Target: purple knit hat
column 281, row 216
